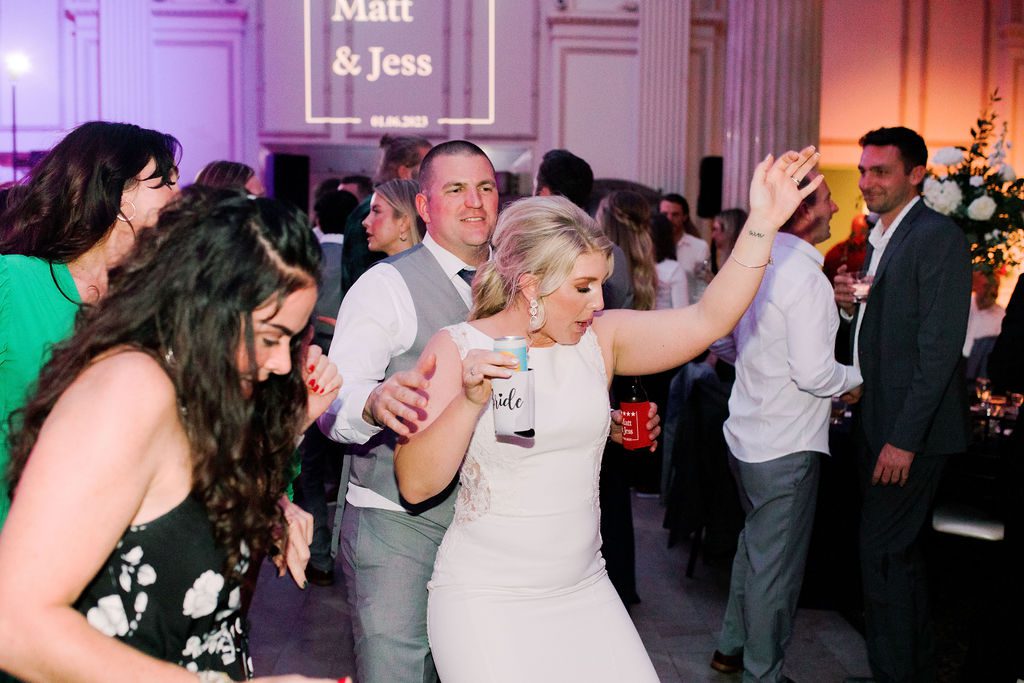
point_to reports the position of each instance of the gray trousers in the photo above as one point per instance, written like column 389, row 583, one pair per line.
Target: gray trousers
column 388, row 559
column 779, row 497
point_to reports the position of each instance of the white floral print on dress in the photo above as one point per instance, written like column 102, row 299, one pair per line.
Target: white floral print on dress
column 201, row 598
column 108, row 616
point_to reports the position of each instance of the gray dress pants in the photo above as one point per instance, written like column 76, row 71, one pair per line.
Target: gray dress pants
column 388, row 559
column 779, row 497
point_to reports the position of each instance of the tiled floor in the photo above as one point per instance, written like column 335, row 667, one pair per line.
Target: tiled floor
column 309, row 631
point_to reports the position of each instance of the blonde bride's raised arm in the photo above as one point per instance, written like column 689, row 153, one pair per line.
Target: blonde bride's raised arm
column 643, row 342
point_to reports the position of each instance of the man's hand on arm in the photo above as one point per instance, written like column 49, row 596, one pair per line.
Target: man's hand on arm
column 400, row 399
column 893, row 466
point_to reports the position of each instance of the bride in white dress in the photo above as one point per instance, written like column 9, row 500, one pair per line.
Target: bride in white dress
column 519, row 591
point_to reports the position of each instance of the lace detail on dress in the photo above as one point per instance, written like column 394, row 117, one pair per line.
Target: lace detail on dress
column 460, row 336
column 474, row 497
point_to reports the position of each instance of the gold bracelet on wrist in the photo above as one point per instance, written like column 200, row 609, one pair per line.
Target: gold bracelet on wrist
column 766, row 263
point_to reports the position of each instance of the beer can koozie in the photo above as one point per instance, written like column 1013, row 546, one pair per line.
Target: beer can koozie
column 512, row 404
column 515, row 347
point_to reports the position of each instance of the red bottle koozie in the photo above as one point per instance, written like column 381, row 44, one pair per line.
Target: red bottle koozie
column 634, row 425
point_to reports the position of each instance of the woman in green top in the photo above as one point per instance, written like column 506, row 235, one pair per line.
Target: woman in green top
column 76, row 218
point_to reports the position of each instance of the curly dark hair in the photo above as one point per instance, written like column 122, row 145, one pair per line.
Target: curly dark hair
column 73, row 195
column 186, row 297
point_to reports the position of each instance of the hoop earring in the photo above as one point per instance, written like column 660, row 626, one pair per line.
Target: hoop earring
column 120, row 211
column 536, row 315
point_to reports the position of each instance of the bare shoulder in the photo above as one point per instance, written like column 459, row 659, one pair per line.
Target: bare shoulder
column 126, row 382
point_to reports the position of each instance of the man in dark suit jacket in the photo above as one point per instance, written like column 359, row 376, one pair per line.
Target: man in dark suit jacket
column 908, row 334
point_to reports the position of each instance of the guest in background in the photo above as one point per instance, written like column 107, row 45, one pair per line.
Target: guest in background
column 624, row 217
column 392, row 226
column 671, row 291
column 359, row 185
column 400, row 158
column 330, row 212
column 691, row 248
column 1006, row 369
column 233, row 175
column 81, row 211
column 983, row 323
column 724, row 230
column 144, row 585
column 851, row 251
column 564, row 174
column 907, row 341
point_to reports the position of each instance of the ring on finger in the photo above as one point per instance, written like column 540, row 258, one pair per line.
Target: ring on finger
column 796, row 181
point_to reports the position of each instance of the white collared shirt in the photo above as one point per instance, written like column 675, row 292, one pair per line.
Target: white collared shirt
column 879, row 237
column 376, row 322
column 690, row 252
column 786, row 372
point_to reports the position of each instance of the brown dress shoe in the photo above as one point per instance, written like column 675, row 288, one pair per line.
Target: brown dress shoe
column 727, row 664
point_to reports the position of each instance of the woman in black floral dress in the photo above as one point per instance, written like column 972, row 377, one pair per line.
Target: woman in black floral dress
column 150, row 462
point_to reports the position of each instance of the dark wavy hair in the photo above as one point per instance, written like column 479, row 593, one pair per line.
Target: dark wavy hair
column 186, row 297
column 73, row 195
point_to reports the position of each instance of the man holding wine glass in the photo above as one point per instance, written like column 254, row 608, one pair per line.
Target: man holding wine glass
column 908, row 334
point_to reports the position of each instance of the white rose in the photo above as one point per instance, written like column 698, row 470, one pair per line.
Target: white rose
column 1007, row 173
column 942, row 195
column 108, row 616
column 948, row 156
column 976, row 181
column 201, row 598
column 981, row 209
column 147, row 575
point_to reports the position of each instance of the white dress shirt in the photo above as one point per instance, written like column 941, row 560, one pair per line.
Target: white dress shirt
column 672, row 288
column 690, row 252
column 982, row 322
column 879, row 237
column 376, row 322
column 786, row 372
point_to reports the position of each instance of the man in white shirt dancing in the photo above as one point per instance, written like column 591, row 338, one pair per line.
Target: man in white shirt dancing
column 777, row 431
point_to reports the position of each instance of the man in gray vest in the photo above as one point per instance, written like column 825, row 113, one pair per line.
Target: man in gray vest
column 386, row 319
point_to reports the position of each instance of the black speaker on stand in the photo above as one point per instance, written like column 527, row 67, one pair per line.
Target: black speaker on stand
column 288, row 179
column 709, row 197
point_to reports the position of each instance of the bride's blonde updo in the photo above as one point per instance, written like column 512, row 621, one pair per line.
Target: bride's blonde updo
column 542, row 236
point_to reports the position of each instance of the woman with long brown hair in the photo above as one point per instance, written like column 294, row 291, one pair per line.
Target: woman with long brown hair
column 150, row 462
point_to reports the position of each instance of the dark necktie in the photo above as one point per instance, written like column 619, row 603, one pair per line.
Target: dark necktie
column 467, row 275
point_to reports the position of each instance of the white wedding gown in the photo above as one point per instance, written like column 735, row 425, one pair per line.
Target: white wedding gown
column 519, row 591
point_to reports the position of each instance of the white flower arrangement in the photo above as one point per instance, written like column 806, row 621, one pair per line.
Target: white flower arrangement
column 980, row 191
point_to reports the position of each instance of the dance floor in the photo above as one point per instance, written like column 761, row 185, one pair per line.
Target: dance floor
column 309, row 631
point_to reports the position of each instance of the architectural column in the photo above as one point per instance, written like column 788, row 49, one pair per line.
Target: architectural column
column 772, row 86
column 662, row 107
column 125, row 46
